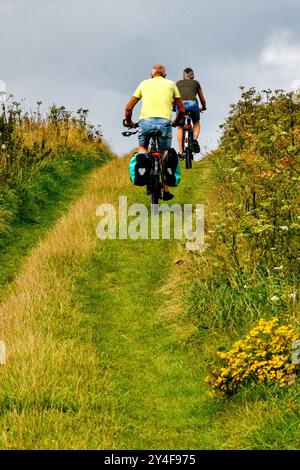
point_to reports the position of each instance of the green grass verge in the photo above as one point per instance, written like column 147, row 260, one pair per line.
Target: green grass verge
column 155, row 378
column 147, row 387
column 36, row 203
column 158, row 396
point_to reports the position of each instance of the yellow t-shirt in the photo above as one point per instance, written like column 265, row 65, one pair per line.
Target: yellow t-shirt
column 157, row 94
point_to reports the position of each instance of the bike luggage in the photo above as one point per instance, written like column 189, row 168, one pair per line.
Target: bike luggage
column 139, row 169
column 172, row 170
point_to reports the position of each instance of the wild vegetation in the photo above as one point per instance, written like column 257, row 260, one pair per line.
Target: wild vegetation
column 36, row 153
column 109, row 342
column 250, row 268
column 44, row 161
column 264, row 355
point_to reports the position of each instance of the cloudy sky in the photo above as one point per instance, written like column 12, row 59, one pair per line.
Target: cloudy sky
column 93, row 53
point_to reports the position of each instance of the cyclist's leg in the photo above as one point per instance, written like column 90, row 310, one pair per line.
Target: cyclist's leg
column 165, row 143
column 196, row 130
column 144, row 127
column 142, row 149
column 179, row 138
column 195, row 112
column 165, row 140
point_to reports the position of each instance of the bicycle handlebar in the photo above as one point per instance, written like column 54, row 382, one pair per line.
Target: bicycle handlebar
column 129, row 127
column 129, row 133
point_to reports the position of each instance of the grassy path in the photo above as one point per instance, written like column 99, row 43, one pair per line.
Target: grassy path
column 91, row 360
column 155, row 383
column 97, row 357
column 154, row 377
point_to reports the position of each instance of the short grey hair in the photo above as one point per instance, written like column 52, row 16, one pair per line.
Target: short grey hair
column 159, row 69
column 188, row 73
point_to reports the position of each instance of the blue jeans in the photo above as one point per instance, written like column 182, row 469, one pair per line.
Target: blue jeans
column 150, row 124
column 193, row 108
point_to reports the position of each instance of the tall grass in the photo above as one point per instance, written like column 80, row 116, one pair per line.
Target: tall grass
column 26, row 139
column 53, row 392
column 250, row 267
column 37, row 152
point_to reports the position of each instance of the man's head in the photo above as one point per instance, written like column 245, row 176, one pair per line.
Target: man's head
column 158, row 71
column 188, row 74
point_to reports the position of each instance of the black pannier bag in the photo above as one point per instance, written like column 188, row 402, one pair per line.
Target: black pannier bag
column 171, row 168
column 139, row 169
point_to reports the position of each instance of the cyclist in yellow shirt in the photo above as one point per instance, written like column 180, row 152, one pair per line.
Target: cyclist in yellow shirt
column 158, row 95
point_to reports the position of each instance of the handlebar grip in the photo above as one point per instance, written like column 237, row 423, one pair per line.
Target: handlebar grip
column 135, row 125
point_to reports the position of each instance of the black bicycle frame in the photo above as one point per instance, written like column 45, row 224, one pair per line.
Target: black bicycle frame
column 187, row 140
column 156, row 174
column 187, row 132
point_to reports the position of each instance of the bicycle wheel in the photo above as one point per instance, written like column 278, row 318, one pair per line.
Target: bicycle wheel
column 188, row 158
column 155, row 194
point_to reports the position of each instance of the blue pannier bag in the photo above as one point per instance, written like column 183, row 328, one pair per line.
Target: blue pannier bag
column 171, row 169
column 139, row 169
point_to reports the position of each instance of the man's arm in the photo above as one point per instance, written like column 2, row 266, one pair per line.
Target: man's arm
column 202, row 99
column 181, row 111
column 129, row 108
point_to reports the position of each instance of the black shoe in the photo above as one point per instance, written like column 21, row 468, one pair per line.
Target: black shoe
column 196, row 147
column 180, row 156
column 167, row 196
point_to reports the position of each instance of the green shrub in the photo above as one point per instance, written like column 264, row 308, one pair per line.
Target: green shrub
column 262, row 356
column 36, row 154
column 250, row 266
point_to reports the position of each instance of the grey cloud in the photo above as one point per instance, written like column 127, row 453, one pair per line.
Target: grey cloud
column 93, row 53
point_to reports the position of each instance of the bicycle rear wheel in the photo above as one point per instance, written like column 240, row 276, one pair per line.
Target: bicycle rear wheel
column 154, row 198
column 188, row 158
column 155, row 194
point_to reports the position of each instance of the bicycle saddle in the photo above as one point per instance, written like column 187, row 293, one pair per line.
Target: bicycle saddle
column 154, row 133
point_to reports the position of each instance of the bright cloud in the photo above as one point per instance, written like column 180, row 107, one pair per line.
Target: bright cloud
column 282, row 54
column 92, row 54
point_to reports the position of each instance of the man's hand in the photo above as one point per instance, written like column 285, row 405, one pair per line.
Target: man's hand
column 129, row 123
column 176, row 122
column 204, row 108
column 128, row 111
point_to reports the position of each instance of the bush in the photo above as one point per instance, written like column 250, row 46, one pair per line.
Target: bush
column 263, row 356
column 250, row 266
column 259, row 153
column 36, row 154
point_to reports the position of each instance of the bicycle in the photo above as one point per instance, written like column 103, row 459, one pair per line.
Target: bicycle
column 187, row 139
column 156, row 178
